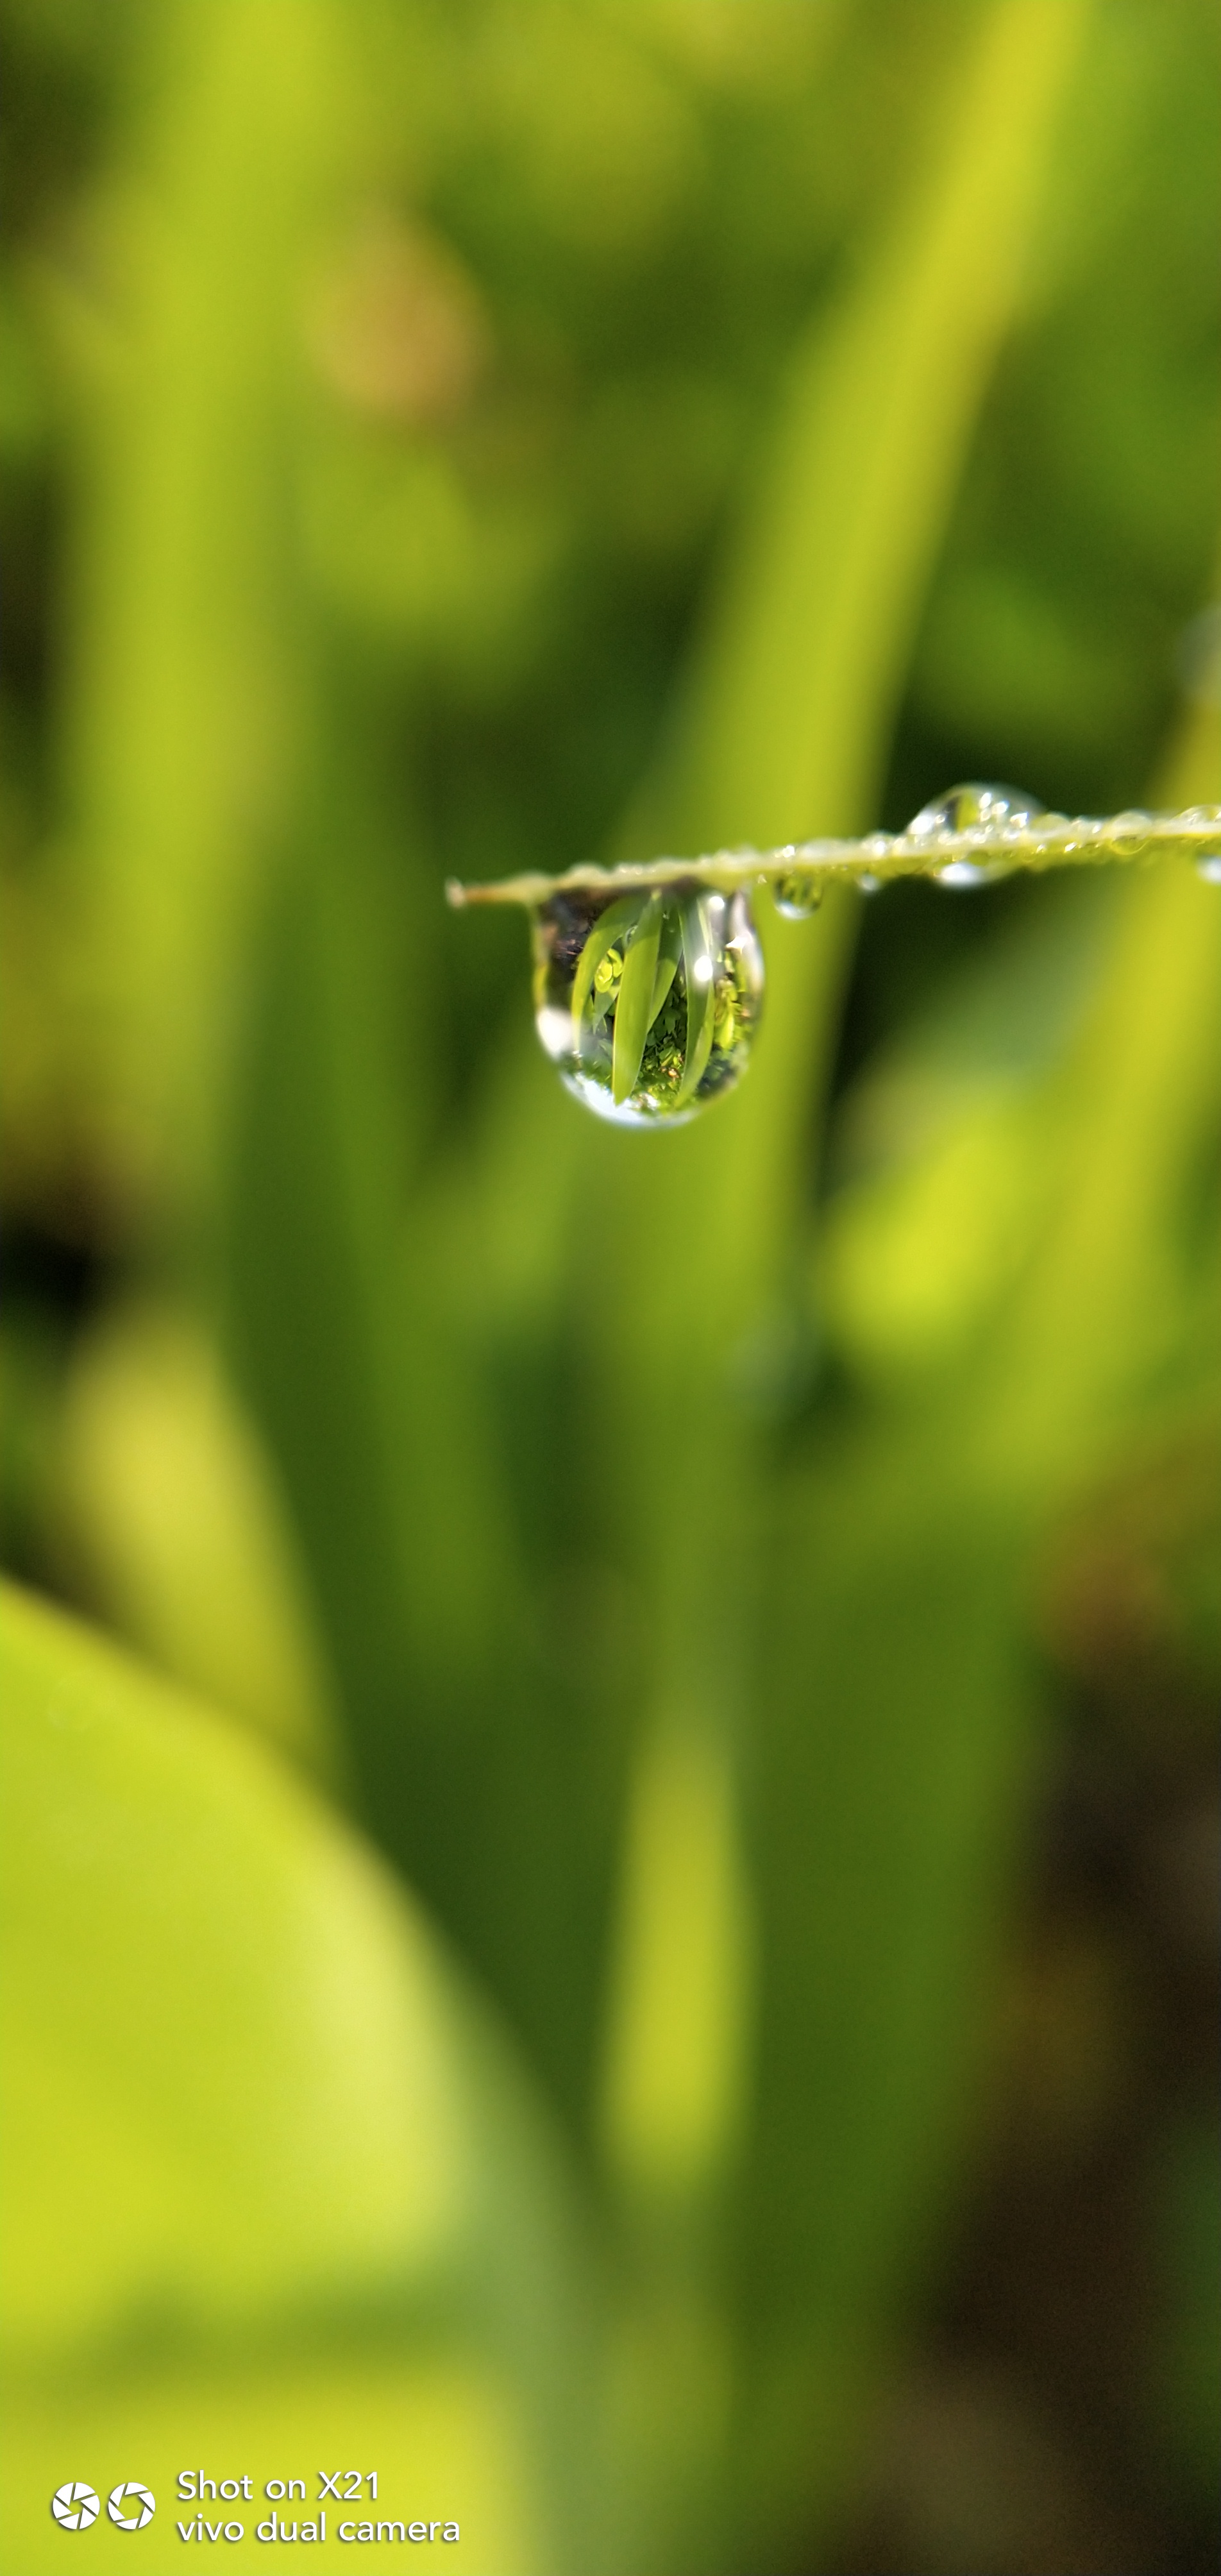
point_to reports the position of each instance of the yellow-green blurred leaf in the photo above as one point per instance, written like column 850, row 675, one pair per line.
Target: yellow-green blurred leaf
column 172, row 1507
column 263, row 2150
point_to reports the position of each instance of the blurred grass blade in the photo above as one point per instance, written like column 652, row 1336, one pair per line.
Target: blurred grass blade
column 1134, row 1119
column 886, row 1784
column 887, row 1781
column 783, row 718
column 667, row 968
column 469, row 1758
column 181, row 721
column 792, row 692
column 895, row 1749
column 380, row 1451
column 788, row 709
column 173, row 1511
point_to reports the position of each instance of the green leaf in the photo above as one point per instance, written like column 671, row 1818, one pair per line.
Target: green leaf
column 271, row 2177
column 634, row 1009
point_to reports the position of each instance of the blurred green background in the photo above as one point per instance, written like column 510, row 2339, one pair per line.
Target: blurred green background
column 623, row 1930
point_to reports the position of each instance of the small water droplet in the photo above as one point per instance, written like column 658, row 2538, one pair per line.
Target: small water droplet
column 647, row 1002
column 976, row 804
column 1127, row 833
column 869, row 885
column 964, row 873
column 1208, row 861
column 798, row 894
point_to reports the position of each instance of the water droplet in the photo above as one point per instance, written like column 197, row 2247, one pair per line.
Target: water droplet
column 976, row 805
column 1208, row 861
column 647, row 1002
column 869, row 885
column 964, row 873
column 798, row 894
column 1127, row 833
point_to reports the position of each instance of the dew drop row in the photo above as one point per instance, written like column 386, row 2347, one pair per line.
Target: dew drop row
column 648, row 982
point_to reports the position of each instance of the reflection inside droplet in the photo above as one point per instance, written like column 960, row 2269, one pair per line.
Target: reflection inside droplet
column 647, row 1002
column 978, row 804
column 797, row 894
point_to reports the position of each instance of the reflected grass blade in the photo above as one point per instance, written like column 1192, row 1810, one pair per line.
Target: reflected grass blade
column 698, row 961
column 634, row 1012
column 607, row 929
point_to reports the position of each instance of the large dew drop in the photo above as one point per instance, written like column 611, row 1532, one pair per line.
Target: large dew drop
column 648, row 1002
column 976, row 806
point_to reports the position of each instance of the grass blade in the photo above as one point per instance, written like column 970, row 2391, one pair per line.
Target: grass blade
column 607, row 929
column 698, row 959
column 634, row 1012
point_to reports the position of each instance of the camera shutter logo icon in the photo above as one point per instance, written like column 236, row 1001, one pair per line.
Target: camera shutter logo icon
column 74, row 2506
column 131, row 2505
